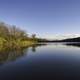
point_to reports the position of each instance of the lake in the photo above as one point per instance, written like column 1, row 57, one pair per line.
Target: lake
column 52, row 61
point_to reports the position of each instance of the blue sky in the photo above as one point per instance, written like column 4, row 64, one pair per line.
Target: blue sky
column 46, row 18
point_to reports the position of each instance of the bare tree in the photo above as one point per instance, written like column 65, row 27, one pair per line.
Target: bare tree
column 4, row 30
column 33, row 36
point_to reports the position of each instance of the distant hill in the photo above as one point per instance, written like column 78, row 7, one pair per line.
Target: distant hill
column 64, row 40
column 71, row 40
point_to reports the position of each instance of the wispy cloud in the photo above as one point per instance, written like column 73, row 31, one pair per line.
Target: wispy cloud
column 64, row 36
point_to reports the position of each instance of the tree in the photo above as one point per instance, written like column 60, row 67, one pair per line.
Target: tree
column 16, row 33
column 33, row 36
column 4, row 30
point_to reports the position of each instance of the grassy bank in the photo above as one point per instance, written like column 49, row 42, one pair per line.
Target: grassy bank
column 15, row 43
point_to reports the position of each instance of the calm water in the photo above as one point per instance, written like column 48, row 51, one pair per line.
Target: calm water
column 53, row 61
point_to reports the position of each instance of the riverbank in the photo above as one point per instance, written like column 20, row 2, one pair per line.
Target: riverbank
column 13, row 37
column 15, row 44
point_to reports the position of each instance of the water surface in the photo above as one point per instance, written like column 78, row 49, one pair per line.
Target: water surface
column 52, row 61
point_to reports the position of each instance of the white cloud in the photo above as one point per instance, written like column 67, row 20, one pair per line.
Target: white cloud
column 64, row 36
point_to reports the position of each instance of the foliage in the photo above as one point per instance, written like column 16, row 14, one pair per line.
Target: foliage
column 11, row 36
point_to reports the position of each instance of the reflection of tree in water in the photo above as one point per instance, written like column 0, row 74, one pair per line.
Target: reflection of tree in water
column 7, row 55
column 34, row 47
column 11, row 55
